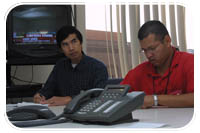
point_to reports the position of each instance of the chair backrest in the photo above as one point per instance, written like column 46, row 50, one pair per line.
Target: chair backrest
column 114, row 81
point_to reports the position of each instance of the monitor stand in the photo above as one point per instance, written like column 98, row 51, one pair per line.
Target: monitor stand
column 19, row 91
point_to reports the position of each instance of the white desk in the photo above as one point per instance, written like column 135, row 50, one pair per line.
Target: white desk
column 172, row 117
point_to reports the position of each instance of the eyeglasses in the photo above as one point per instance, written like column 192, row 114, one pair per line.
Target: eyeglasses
column 150, row 49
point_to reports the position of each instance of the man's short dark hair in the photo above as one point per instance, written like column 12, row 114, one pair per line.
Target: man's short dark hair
column 153, row 27
column 65, row 31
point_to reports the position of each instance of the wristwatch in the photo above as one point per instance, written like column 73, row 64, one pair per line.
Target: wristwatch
column 155, row 98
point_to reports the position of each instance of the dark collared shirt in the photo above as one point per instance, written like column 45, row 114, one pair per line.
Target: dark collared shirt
column 65, row 80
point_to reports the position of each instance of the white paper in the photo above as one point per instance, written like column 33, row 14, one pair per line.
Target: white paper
column 24, row 104
column 29, row 103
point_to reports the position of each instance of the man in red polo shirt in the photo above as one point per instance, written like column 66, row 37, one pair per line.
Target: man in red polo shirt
column 167, row 78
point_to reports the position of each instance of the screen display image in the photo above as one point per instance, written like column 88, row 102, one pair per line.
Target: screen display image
column 31, row 33
column 37, row 24
column 42, row 37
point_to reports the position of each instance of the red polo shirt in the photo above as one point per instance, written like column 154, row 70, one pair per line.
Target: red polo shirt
column 181, row 79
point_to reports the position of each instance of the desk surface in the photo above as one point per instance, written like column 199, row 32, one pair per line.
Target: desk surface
column 154, row 117
column 171, row 117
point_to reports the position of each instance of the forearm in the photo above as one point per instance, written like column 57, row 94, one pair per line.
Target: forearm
column 57, row 101
column 47, row 93
column 184, row 100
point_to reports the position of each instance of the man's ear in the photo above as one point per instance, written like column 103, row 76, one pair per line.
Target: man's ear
column 167, row 40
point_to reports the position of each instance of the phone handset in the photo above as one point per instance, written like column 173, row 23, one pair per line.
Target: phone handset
column 76, row 101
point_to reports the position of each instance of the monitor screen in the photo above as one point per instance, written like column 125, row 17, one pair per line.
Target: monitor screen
column 31, row 33
column 37, row 24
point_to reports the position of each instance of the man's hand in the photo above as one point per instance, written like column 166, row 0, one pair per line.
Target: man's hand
column 38, row 98
column 170, row 101
column 57, row 101
column 148, row 101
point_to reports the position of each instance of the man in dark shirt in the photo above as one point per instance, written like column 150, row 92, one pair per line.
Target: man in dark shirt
column 72, row 74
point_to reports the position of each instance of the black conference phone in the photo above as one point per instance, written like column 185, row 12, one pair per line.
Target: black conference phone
column 30, row 112
column 105, row 106
column 111, row 105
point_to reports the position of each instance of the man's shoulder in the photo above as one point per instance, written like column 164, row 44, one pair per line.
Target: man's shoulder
column 183, row 53
column 185, row 56
column 145, row 66
column 94, row 61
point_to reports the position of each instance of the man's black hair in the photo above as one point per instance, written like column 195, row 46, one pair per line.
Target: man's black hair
column 65, row 31
column 153, row 27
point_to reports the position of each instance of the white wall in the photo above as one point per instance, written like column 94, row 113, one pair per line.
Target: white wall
column 81, row 24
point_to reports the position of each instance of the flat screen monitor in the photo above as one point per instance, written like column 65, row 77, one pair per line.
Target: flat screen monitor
column 31, row 33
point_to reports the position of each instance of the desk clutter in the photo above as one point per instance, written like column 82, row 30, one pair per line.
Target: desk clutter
column 115, row 106
column 148, row 118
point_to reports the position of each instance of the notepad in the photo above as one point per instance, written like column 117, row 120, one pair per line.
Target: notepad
column 30, row 103
column 25, row 104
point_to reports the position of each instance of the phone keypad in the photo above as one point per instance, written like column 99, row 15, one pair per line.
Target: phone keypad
column 95, row 106
column 98, row 104
column 91, row 105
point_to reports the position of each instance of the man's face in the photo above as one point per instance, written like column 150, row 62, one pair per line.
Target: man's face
column 156, row 51
column 72, row 48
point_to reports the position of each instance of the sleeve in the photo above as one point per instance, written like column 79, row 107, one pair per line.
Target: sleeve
column 50, row 85
column 101, row 76
column 189, row 74
column 129, row 80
